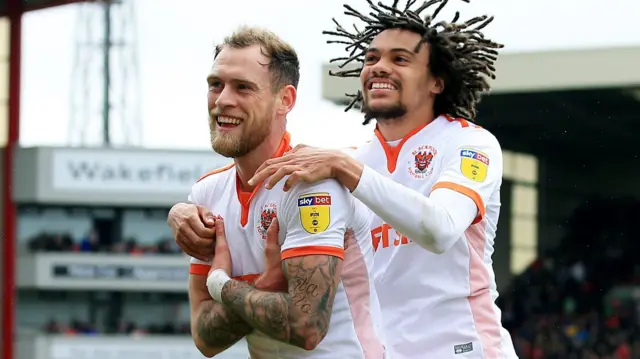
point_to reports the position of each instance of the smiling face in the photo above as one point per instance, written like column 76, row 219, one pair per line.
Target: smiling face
column 241, row 101
column 395, row 79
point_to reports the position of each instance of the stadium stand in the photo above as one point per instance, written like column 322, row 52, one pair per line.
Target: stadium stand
column 574, row 302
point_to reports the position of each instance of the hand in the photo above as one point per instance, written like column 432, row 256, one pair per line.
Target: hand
column 273, row 279
column 222, row 259
column 350, row 240
column 303, row 163
column 193, row 229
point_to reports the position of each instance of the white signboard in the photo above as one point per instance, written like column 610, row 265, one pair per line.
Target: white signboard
column 95, row 271
column 135, row 172
column 118, row 347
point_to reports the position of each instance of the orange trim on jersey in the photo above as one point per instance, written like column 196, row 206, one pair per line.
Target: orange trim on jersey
column 392, row 152
column 249, row 278
column 467, row 192
column 464, row 123
column 245, row 197
column 216, row 171
column 199, row 269
column 203, row 269
column 313, row 250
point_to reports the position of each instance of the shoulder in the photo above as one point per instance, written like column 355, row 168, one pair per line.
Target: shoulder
column 209, row 181
column 326, row 193
column 215, row 175
column 461, row 132
column 218, row 172
column 357, row 152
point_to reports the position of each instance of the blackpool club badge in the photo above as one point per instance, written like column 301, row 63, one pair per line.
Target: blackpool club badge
column 420, row 166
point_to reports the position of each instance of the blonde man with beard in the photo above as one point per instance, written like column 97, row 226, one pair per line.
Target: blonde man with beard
column 317, row 235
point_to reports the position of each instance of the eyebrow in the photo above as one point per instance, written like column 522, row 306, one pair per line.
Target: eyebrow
column 395, row 49
column 211, row 78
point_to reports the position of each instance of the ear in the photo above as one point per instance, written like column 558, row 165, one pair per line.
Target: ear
column 437, row 86
column 288, row 95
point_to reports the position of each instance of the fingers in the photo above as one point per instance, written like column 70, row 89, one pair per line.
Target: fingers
column 349, row 238
column 298, row 147
column 206, row 216
column 260, row 175
column 292, row 180
column 266, row 164
column 265, row 170
column 272, row 232
column 221, row 238
column 199, row 227
column 280, row 174
column 197, row 245
column 185, row 242
column 272, row 249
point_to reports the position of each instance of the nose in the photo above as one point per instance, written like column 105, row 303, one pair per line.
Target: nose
column 226, row 98
column 381, row 68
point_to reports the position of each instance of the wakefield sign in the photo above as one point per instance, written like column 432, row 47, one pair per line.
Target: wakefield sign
column 98, row 176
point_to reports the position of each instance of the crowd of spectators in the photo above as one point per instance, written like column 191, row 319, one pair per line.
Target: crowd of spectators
column 561, row 307
column 90, row 243
column 77, row 327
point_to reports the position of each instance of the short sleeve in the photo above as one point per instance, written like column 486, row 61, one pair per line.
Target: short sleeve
column 196, row 266
column 472, row 166
column 315, row 218
column 195, row 196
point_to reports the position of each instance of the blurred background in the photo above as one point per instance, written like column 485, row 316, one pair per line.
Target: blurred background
column 103, row 127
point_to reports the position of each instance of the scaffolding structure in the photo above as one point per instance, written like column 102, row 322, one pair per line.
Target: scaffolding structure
column 105, row 87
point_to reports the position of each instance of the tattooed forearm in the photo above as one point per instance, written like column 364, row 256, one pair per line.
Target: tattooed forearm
column 219, row 327
column 300, row 317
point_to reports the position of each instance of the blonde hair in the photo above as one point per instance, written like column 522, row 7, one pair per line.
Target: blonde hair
column 284, row 65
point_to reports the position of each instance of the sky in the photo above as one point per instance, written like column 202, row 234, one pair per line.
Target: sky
column 175, row 41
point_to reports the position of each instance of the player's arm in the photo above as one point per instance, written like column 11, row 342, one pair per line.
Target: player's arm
column 312, row 255
column 214, row 327
column 434, row 221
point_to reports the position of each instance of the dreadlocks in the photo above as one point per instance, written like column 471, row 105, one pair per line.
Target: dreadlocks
column 459, row 53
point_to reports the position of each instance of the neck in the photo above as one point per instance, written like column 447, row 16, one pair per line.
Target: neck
column 247, row 165
column 396, row 128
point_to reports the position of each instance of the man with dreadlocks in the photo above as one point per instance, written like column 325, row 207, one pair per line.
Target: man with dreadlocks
column 430, row 175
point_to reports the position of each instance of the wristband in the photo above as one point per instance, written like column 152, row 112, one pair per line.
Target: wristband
column 215, row 282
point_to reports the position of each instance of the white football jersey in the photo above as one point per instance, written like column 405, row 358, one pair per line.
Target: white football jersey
column 313, row 220
column 440, row 305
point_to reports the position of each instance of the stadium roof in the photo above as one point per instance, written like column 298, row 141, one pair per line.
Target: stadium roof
column 580, row 100
column 30, row 5
column 538, row 72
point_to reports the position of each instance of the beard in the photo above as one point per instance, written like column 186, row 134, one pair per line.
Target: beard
column 383, row 113
column 234, row 146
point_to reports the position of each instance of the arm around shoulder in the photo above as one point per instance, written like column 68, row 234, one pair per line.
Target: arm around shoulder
column 438, row 219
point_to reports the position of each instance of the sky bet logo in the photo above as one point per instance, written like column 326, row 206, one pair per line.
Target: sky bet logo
column 475, row 155
column 314, row 199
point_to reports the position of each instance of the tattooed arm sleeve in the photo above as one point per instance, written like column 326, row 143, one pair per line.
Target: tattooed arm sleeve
column 300, row 317
column 313, row 221
column 214, row 327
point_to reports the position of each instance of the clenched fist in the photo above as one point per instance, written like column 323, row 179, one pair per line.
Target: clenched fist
column 193, row 229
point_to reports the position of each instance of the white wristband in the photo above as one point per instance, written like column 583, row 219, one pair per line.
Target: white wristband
column 215, row 281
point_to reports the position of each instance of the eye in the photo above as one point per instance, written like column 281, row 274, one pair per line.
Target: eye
column 401, row 59
column 243, row 87
column 370, row 58
column 214, row 85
